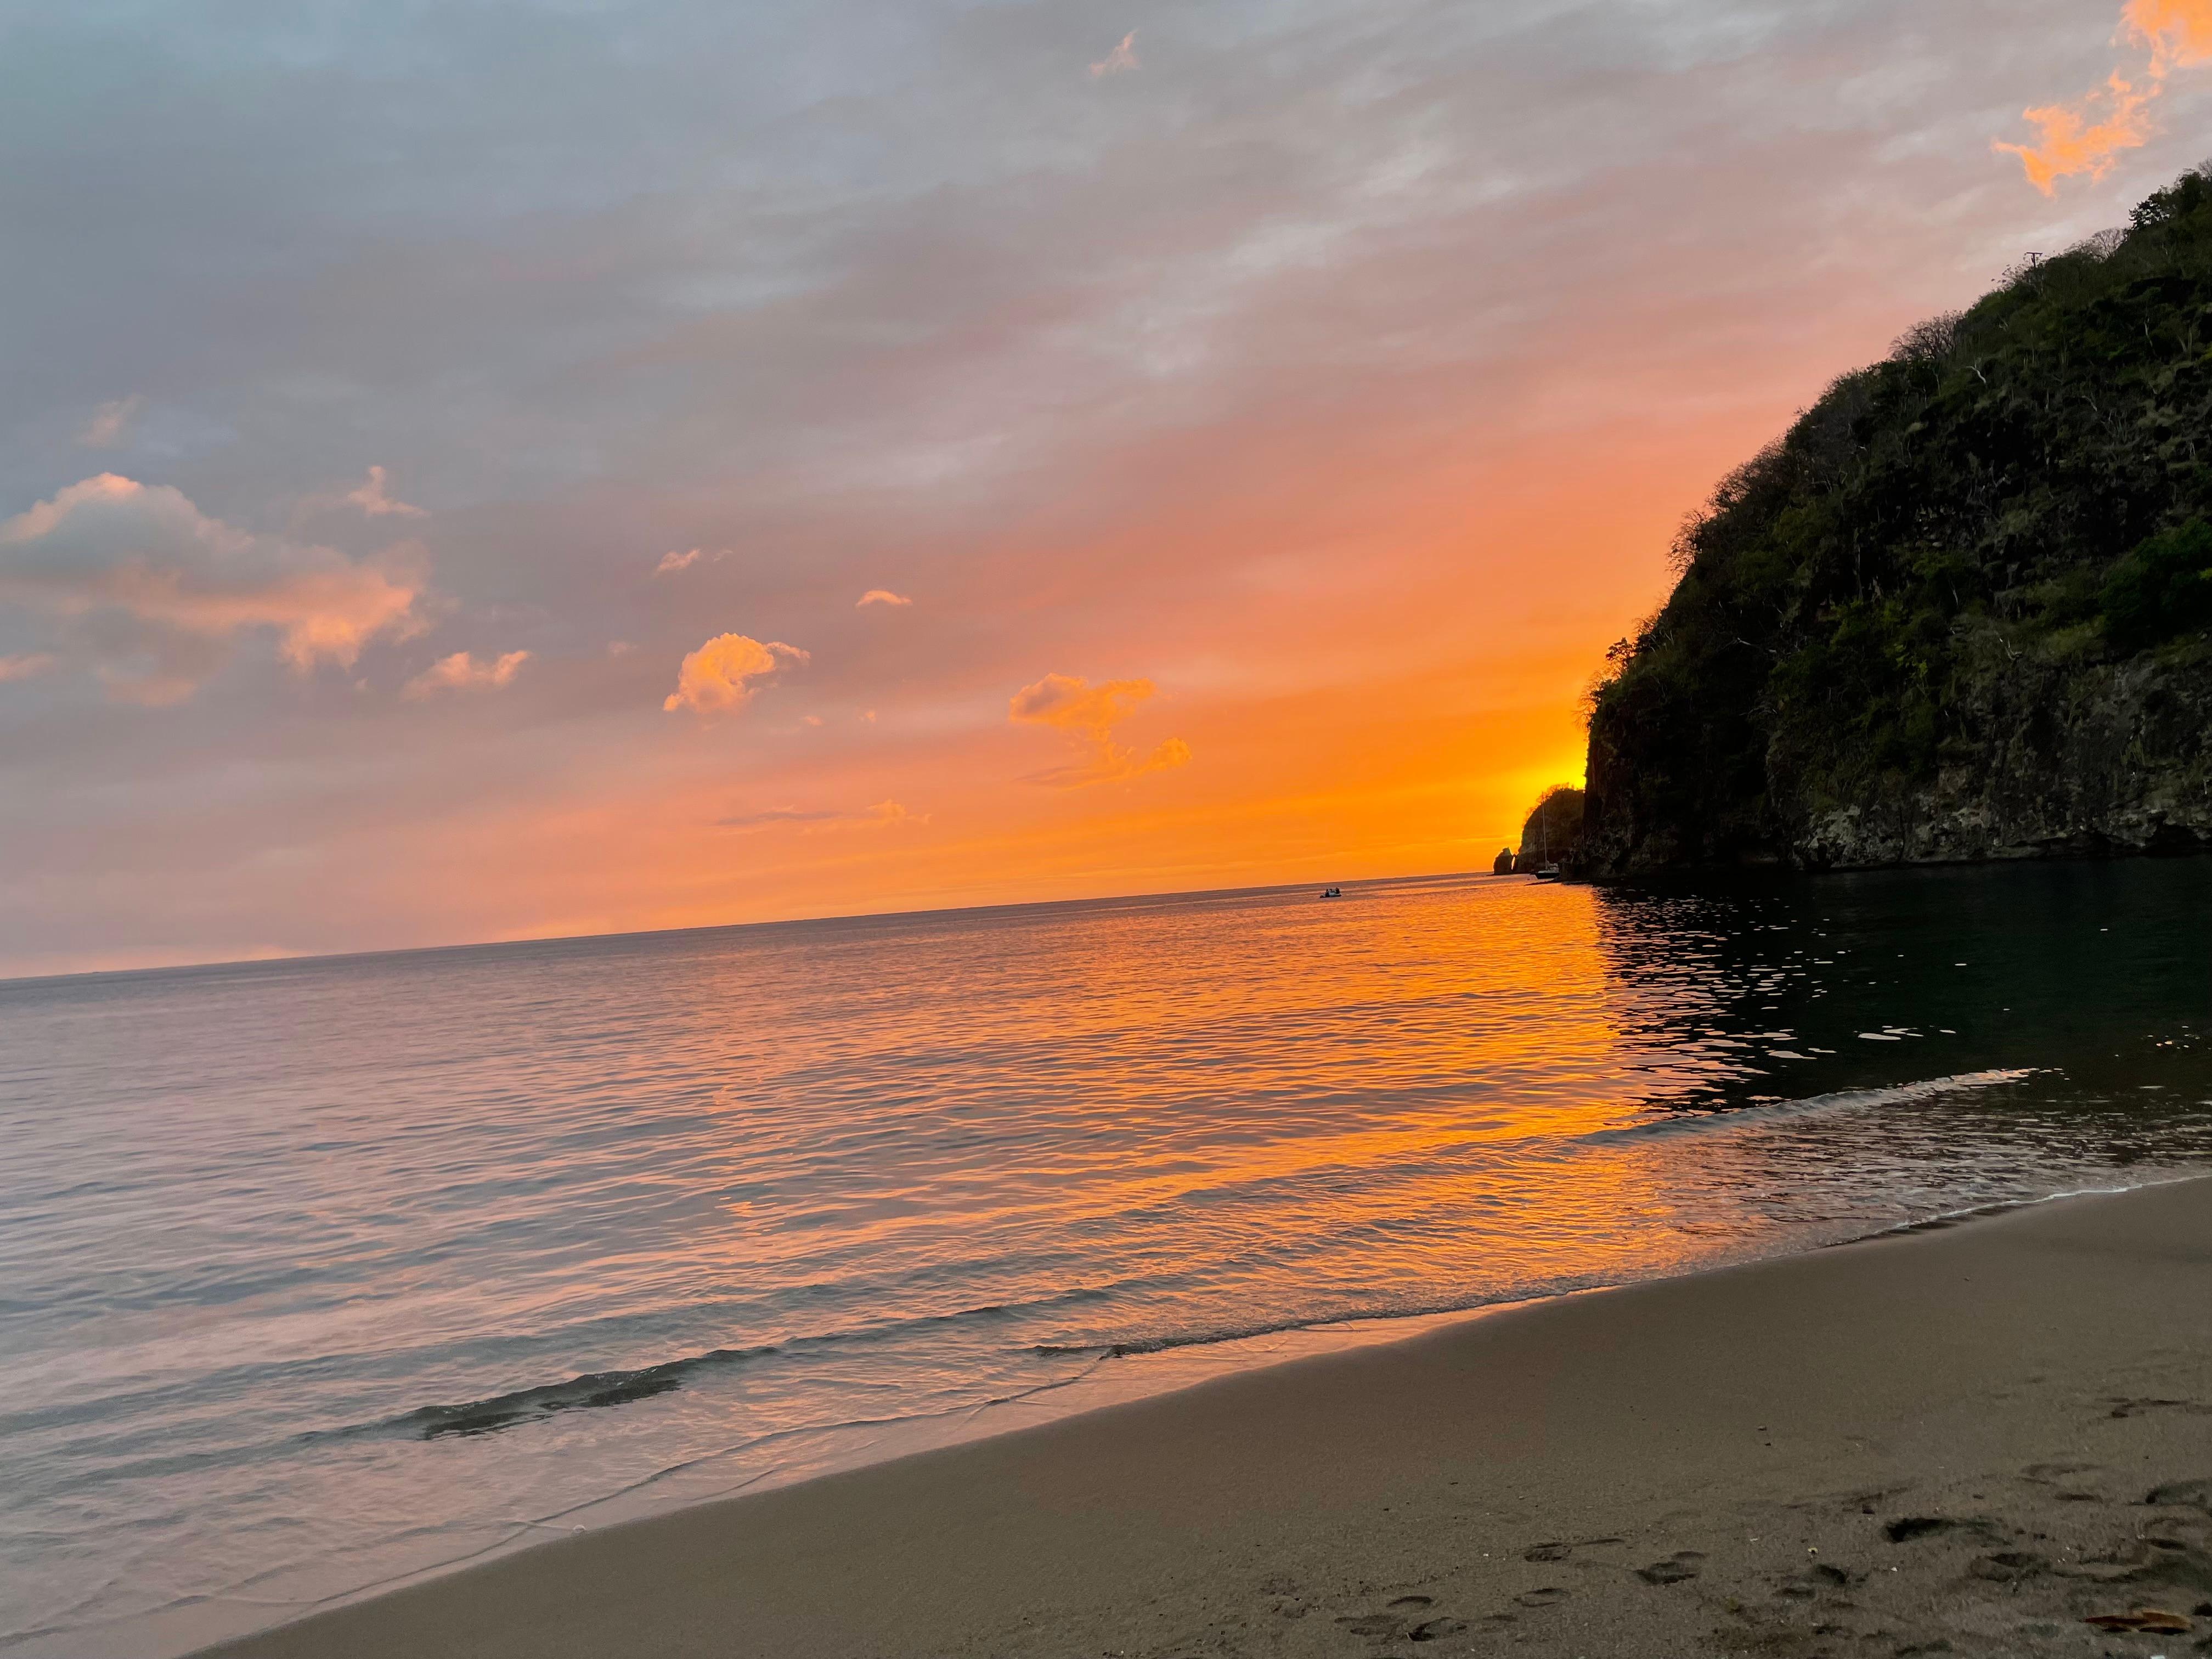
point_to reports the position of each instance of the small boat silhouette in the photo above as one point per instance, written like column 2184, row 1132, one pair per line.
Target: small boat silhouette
column 1332, row 892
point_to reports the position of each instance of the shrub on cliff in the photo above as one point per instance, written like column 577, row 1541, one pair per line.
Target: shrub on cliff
column 2160, row 589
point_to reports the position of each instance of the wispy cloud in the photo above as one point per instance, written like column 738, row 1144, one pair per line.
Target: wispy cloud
column 672, row 561
column 1123, row 57
column 885, row 814
column 1087, row 713
column 2088, row 135
column 717, row 676
column 25, row 668
column 154, row 590
column 884, row 596
column 463, row 672
column 111, row 422
column 375, row 499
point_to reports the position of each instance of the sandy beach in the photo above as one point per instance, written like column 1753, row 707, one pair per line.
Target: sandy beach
column 1980, row 1439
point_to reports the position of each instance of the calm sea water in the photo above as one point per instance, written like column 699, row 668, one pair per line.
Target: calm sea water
column 317, row 1275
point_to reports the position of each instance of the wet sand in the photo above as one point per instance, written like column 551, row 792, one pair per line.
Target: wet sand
column 1975, row 1440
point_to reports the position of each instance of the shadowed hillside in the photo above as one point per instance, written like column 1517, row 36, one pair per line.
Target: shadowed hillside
column 1960, row 610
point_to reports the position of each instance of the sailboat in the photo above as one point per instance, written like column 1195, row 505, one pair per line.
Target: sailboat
column 1545, row 870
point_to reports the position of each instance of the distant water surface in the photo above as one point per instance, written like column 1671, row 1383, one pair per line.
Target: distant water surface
column 317, row 1275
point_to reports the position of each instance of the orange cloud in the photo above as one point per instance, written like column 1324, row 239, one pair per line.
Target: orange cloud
column 1088, row 713
column 884, row 596
column 2088, row 136
column 2179, row 32
column 463, row 672
column 714, row 678
column 24, row 668
column 671, row 561
column 885, row 814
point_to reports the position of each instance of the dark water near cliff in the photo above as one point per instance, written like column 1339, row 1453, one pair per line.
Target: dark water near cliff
column 316, row 1275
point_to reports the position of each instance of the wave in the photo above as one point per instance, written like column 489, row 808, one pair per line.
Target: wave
column 595, row 1390
column 589, row 1392
column 1902, row 1094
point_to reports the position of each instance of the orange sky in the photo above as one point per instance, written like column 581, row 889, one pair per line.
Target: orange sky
column 780, row 467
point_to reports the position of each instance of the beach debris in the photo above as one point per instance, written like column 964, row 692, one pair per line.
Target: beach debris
column 1680, row 1565
column 2153, row 1621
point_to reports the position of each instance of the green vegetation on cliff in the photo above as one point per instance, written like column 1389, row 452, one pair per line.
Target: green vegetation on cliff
column 1552, row 832
column 1959, row 609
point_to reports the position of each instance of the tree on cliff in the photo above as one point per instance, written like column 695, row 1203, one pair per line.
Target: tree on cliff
column 1913, row 608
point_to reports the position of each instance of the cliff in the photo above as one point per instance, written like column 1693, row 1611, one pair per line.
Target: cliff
column 1962, row 610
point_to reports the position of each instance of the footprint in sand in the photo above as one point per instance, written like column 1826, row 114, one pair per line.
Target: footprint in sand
column 2007, row 1568
column 1373, row 1624
column 1906, row 1528
column 1436, row 1628
column 1817, row 1579
column 2194, row 1494
column 1411, row 1603
column 1542, row 1598
column 1680, row 1565
column 1548, row 1552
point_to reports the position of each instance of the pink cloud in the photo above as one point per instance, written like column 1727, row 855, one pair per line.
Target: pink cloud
column 463, row 672
column 374, row 499
column 884, row 596
column 110, row 422
column 1122, row 58
column 155, row 591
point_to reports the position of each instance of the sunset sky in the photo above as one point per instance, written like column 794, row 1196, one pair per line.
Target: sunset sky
column 477, row 471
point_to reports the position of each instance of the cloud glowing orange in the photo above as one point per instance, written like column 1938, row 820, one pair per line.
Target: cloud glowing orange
column 2088, row 136
column 1089, row 714
column 714, row 677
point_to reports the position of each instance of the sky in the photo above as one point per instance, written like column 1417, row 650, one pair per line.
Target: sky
column 479, row 470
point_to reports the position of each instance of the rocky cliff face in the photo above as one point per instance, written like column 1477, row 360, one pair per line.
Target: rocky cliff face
column 2106, row 757
column 2055, row 758
column 1961, row 610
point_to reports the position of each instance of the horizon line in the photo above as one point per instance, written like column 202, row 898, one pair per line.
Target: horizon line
column 303, row 958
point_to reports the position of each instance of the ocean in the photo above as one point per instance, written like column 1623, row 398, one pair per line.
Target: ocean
column 317, row 1276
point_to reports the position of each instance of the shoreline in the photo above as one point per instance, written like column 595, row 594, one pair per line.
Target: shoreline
column 1336, row 1477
